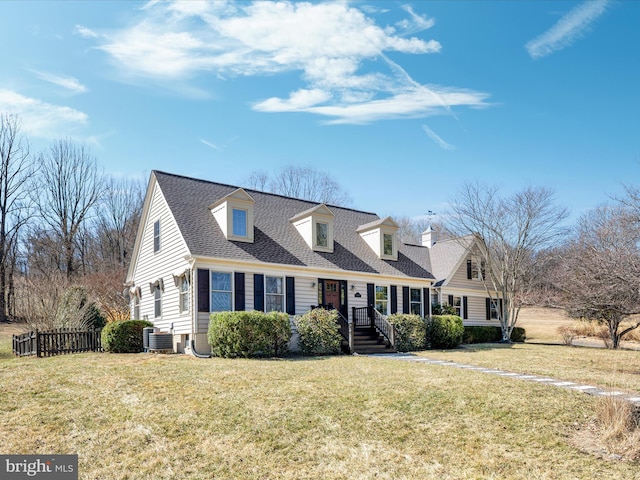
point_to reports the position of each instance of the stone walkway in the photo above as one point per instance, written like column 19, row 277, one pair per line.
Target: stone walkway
column 588, row 389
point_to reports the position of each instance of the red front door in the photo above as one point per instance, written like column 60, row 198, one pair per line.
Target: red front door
column 332, row 294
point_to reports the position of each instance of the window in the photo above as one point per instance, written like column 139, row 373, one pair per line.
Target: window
column 322, row 234
column 434, row 299
column 221, row 292
column 387, row 240
column 382, row 299
column 457, row 304
column 239, row 223
column 156, row 236
column 184, row 293
column 157, row 301
column 136, row 306
column 477, row 269
column 415, row 301
column 274, row 294
column 494, row 310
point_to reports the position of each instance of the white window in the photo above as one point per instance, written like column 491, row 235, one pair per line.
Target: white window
column 184, row 293
column 322, row 234
column 239, row 221
column 382, row 299
column 274, row 294
column 457, row 304
column 494, row 310
column 157, row 301
column 387, row 241
column 415, row 301
column 477, row 268
column 221, row 294
column 434, row 299
column 156, row 236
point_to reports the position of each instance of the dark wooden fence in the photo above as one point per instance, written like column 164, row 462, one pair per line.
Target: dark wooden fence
column 57, row 342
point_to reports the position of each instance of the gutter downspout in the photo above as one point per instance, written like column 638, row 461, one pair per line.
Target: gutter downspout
column 194, row 308
column 196, row 354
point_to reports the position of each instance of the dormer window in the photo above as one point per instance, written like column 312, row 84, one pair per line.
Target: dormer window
column 316, row 227
column 239, row 223
column 234, row 214
column 381, row 236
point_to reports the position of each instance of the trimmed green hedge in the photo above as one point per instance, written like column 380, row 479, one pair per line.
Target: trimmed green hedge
column 488, row 334
column 411, row 331
column 124, row 336
column 319, row 332
column 249, row 334
column 445, row 331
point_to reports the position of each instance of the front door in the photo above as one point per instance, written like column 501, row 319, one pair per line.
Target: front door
column 332, row 294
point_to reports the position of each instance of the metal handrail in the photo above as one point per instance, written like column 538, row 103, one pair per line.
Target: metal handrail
column 346, row 329
column 384, row 327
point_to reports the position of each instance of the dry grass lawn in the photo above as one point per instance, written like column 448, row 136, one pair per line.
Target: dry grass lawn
column 168, row 417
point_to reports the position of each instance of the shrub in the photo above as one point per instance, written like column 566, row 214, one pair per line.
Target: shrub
column 445, row 331
column 443, row 309
column 124, row 336
column 248, row 334
column 490, row 333
column 411, row 331
column 319, row 332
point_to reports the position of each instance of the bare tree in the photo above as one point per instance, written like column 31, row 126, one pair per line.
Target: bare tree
column 600, row 271
column 301, row 182
column 15, row 170
column 69, row 186
column 510, row 230
column 410, row 229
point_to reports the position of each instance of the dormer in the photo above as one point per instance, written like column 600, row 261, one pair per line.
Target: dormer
column 382, row 237
column 316, row 226
column 234, row 214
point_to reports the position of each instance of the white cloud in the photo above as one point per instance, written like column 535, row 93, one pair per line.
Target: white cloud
column 334, row 47
column 39, row 118
column 436, row 138
column 70, row 83
column 85, row 32
column 568, row 29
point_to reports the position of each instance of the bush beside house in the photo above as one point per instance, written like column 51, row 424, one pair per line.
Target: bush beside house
column 124, row 336
column 487, row 334
column 410, row 331
column 445, row 331
column 319, row 332
column 248, row 334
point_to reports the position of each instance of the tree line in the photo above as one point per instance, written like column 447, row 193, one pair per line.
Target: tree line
column 67, row 231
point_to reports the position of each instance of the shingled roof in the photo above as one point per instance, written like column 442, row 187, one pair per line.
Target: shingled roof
column 446, row 256
column 276, row 239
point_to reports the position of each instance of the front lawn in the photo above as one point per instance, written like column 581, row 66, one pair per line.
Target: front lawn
column 141, row 416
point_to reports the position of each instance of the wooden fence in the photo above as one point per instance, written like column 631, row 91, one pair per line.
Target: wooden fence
column 57, row 342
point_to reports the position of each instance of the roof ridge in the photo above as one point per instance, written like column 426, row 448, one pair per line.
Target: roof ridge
column 259, row 191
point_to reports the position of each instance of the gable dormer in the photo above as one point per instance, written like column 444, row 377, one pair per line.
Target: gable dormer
column 382, row 237
column 234, row 214
column 316, row 226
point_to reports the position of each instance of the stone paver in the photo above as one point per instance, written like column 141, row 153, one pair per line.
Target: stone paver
column 588, row 389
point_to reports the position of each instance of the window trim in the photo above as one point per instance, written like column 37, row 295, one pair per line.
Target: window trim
column 385, row 236
column 157, row 301
column 184, row 295
column 156, row 236
column 212, row 290
column 233, row 222
column 387, row 300
column 282, row 295
column 326, row 235
column 414, row 302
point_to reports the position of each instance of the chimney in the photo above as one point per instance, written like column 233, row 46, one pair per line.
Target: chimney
column 429, row 237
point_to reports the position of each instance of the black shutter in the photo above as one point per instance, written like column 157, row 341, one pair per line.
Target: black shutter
column 451, row 300
column 258, row 292
column 344, row 307
column 291, row 296
column 465, row 313
column 469, row 269
column 488, row 309
column 426, row 302
column 501, row 312
column 238, row 278
column 203, row 290
column 405, row 300
column 483, row 270
column 394, row 299
column 371, row 295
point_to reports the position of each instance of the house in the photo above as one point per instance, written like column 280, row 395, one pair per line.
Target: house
column 204, row 247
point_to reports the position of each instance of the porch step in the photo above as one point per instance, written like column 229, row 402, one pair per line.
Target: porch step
column 369, row 341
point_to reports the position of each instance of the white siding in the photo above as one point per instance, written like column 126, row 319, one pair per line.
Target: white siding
column 152, row 266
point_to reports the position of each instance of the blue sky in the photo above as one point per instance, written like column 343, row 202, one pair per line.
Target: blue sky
column 399, row 101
